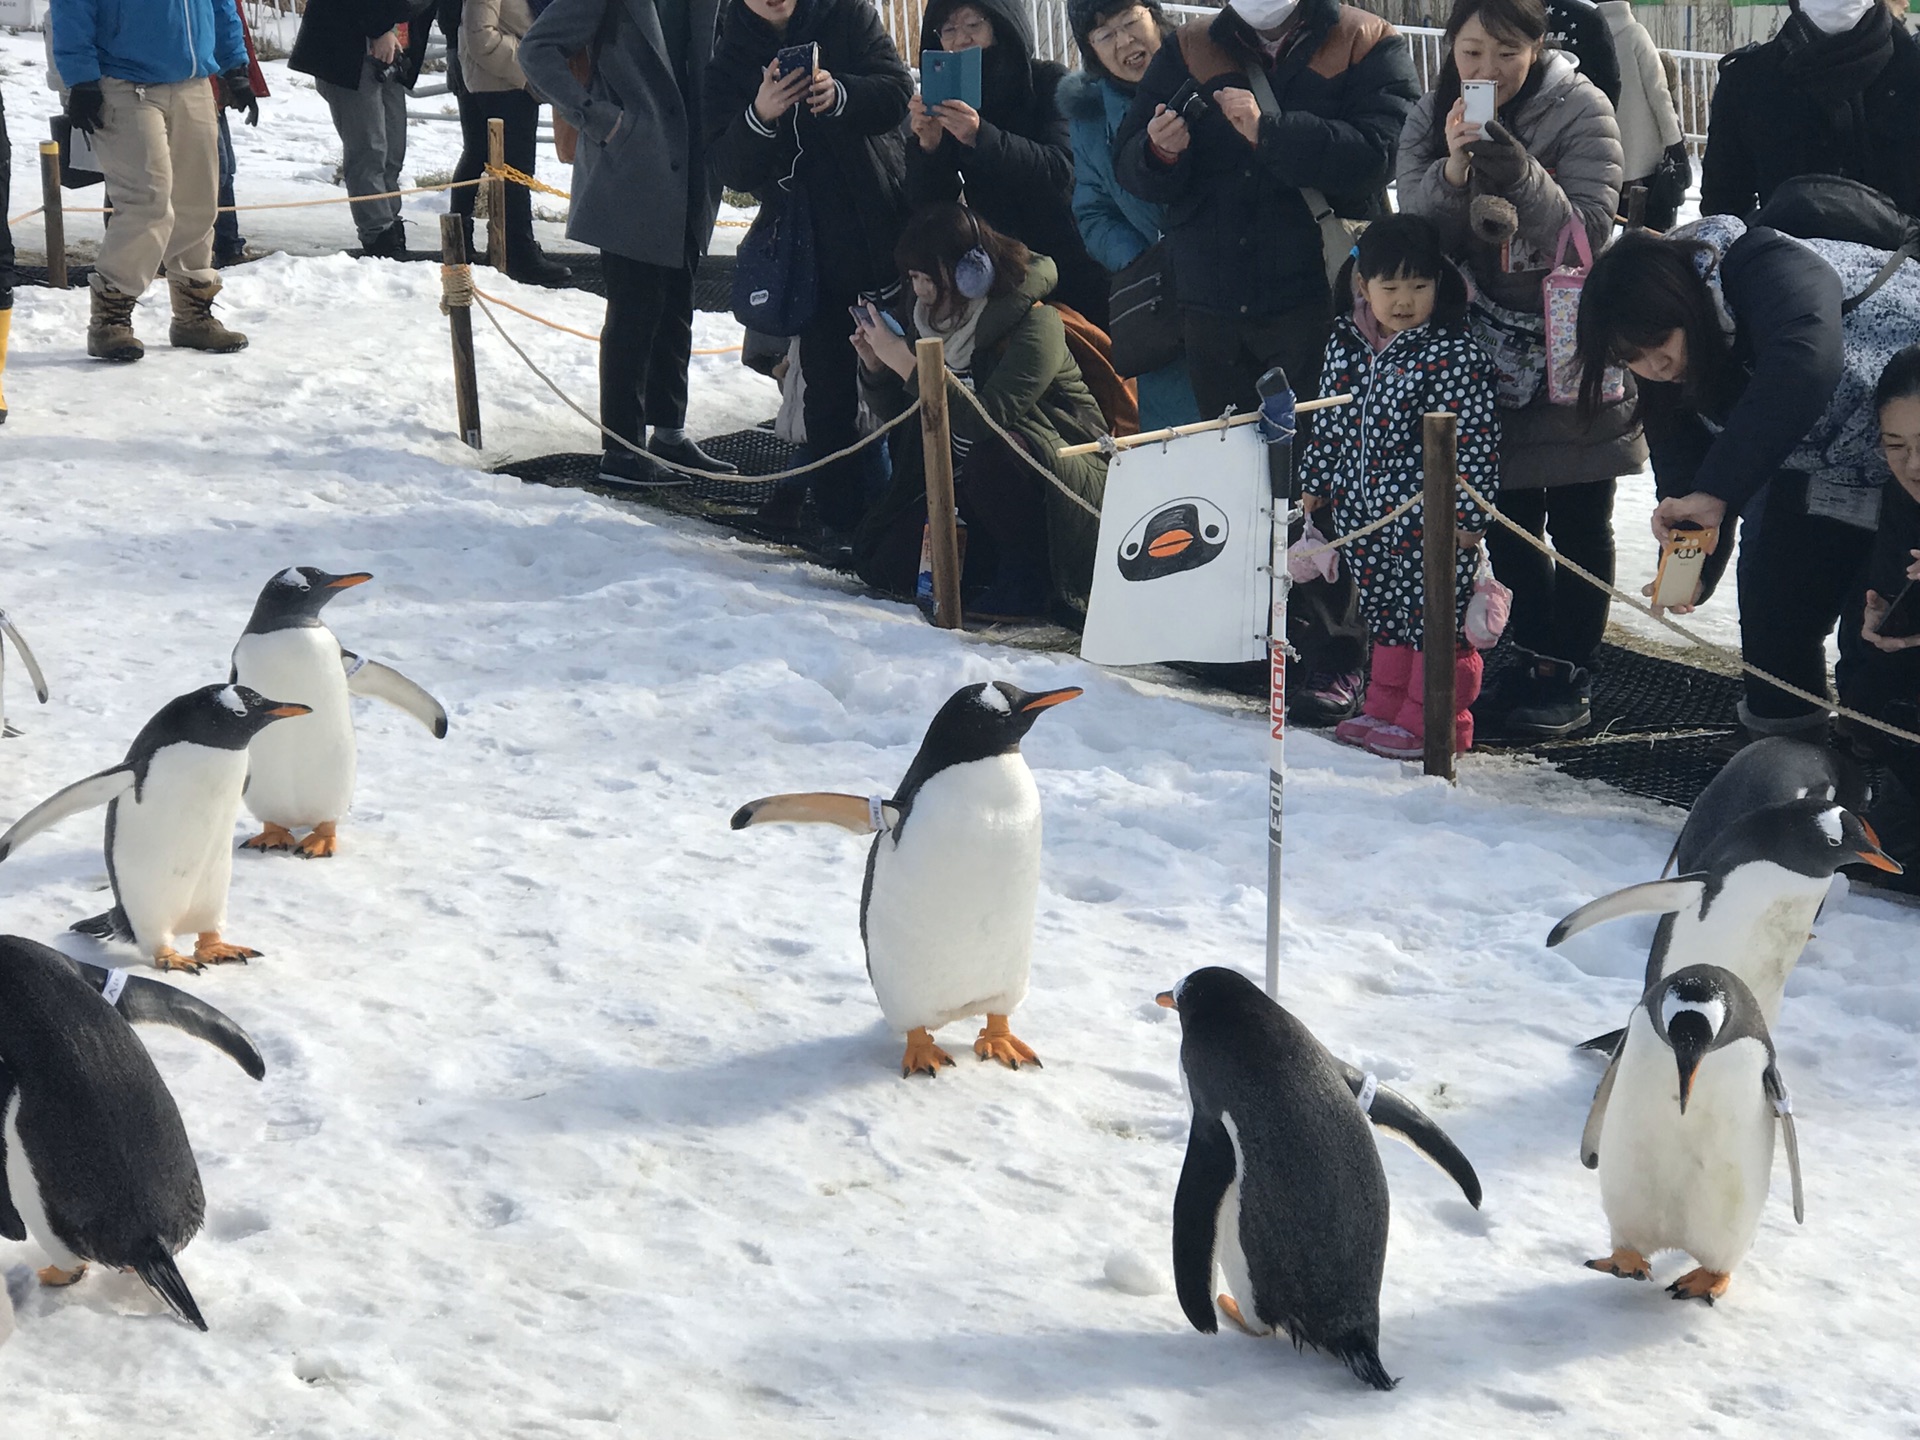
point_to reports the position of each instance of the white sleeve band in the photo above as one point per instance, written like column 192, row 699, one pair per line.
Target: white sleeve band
column 757, row 125
column 877, row 813
column 841, row 90
column 1369, row 1087
column 116, row 982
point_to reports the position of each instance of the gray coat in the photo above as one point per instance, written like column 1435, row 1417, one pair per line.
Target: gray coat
column 641, row 185
column 1573, row 146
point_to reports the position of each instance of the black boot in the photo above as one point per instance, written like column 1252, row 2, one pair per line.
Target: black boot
column 1511, row 687
column 681, row 450
column 530, row 265
column 1557, row 700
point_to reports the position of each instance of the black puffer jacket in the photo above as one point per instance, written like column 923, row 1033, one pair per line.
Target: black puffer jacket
column 1805, row 103
column 1018, row 174
column 1244, row 242
column 849, row 160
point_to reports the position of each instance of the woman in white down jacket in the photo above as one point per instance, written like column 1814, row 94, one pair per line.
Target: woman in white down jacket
column 1649, row 119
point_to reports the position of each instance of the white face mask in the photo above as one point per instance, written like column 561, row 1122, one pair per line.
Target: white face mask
column 1272, row 14
column 1835, row 17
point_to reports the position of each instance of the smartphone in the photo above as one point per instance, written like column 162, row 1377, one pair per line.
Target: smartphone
column 795, row 58
column 861, row 317
column 1682, row 557
column 1479, row 97
column 1903, row 616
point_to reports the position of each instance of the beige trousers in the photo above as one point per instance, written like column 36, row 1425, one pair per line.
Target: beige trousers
column 159, row 147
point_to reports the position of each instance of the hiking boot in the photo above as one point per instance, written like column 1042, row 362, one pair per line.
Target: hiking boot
column 1556, row 702
column 110, row 324
column 1327, row 698
column 194, row 327
column 389, row 244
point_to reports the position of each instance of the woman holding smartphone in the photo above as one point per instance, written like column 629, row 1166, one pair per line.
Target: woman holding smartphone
column 831, row 130
column 1502, row 189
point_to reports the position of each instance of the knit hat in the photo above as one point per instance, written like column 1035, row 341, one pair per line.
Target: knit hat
column 1086, row 16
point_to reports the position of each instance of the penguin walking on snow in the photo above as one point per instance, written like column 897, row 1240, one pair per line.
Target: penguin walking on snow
column 94, row 1160
column 1685, row 1148
column 302, row 774
column 170, row 810
column 1768, row 772
column 953, row 877
column 9, row 634
column 1283, row 1189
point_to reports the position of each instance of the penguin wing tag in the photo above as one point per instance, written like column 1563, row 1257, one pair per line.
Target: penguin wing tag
column 81, row 795
column 862, row 814
column 1405, row 1121
column 116, row 981
column 141, row 1001
column 1776, row 1089
column 1654, row 897
column 1369, row 1087
column 382, row 682
column 26, row 657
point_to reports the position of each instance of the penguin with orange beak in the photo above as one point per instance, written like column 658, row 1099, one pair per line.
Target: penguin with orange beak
column 302, row 775
column 953, row 875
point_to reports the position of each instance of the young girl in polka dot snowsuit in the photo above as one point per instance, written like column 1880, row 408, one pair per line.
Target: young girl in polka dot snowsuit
column 1403, row 351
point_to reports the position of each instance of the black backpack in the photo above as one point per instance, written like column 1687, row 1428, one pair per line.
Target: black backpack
column 1828, row 207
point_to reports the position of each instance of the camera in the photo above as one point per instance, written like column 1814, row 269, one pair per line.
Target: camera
column 392, row 70
column 1188, row 103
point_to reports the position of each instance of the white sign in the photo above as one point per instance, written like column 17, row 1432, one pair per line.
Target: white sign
column 1184, row 532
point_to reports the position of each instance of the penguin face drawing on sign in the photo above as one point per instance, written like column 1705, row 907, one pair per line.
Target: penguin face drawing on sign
column 1180, row 536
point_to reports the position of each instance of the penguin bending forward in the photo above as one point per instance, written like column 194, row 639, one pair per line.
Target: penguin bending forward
column 946, row 911
column 9, row 633
column 1283, row 1189
column 170, row 810
column 94, row 1160
column 1682, row 1131
column 302, row 775
column 1768, row 772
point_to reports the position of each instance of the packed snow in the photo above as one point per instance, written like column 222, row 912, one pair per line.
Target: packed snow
column 579, row 1117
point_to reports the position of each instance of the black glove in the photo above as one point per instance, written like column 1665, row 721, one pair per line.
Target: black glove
column 236, row 88
column 1499, row 160
column 86, row 106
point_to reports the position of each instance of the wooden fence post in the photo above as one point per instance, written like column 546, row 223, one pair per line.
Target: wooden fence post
column 497, row 196
column 466, row 383
column 1439, row 442
column 936, row 445
column 1636, row 202
column 55, row 217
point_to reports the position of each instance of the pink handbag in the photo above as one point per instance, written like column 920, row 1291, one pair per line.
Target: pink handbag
column 1487, row 611
column 1561, row 292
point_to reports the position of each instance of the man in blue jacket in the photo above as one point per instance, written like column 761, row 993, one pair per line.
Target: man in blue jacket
column 136, row 73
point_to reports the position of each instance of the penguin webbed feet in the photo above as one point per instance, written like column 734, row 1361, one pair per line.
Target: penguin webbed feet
column 273, row 837
column 210, row 949
column 997, row 1042
column 922, row 1055
column 171, row 960
column 54, row 1278
column 1626, row 1264
column 1230, row 1308
column 320, row 844
column 1701, row 1283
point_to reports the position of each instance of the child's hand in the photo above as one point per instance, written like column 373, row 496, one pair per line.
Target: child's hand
column 1311, row 503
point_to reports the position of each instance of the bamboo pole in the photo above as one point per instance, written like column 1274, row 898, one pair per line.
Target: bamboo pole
column 466, row 383
column 56, row 220
column 1438, row 448
column 497, row 196
column 936, row 448
column 1198, row 427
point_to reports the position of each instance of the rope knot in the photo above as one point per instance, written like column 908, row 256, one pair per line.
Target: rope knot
column 456, row 288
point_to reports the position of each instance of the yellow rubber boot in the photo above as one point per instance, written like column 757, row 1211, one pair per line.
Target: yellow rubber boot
column 6, row 329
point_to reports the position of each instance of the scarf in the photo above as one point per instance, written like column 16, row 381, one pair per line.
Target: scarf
column 1835, row 70
column 957, row 334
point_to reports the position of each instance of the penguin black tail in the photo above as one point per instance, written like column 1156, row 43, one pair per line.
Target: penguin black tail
column 1606, row 1044
column 1362, row 1357
column 110, row 926
column 163, row 1277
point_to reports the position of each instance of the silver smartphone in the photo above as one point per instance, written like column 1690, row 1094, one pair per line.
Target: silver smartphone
column 1478, row 95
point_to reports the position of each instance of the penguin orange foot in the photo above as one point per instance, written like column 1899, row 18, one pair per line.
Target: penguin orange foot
column 320, row 843
column 996, row 1042
column 1230, row 1307
column 169, row 958
column 1627, row 1264
column 210, row 949
column 922, row 1054
column 273, row 837
column 1701, row 1284
column 54, row 1276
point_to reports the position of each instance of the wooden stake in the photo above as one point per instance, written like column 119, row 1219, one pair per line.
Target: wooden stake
column 497, row 196
column 1636, row 207
column 1438, row 448
column 936, row 448
column 55, row 217
column 466, row 383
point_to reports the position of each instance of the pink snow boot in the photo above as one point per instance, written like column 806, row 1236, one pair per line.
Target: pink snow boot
column 1405, row 739
column 1386, row 692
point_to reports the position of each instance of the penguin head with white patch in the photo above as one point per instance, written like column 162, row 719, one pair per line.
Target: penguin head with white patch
column 1208, row 993
column 992, row 718
column 1812, row 836
column 1697, row 1010
column 219, row 717
column 296, row 596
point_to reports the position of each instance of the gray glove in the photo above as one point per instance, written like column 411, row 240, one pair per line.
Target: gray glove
column 1499, row 160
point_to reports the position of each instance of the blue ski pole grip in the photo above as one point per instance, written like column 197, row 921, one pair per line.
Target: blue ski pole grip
column 1277, row 418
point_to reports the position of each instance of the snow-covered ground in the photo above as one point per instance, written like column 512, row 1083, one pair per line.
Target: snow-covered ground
column 580, row 1119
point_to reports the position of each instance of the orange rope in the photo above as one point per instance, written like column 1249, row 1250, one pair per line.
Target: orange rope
column 569, row 330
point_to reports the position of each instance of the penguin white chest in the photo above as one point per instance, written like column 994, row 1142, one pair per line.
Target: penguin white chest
column 1695, row 1182
column 302, row 768
column 24, row 1189
column 171, row 851
column 1757, row 926
column 949, row 923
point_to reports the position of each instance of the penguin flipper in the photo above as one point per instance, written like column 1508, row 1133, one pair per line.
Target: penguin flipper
column 1607, row 1043
column 81, row 795
column 1405, row 1121
column 148, row 1002
column 1776, row 1089
column 816, row 807
column 1597, row 1112
column 1653, row 897
column 12, row 1227
column 163, row 1278
column 382, row 682
column 1210, row 1167
column 26, row 657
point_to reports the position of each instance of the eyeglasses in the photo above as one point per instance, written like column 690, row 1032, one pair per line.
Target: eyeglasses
column 1136, row 25
column 973, row 31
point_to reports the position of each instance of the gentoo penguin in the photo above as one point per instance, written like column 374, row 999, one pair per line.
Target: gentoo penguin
column 9, row 633
column 302, row 775
column 1765, row 773
column 96, row 1164
column 1282, row 1187
column 170, row 810
column 1685, row 1148
column 946, row 913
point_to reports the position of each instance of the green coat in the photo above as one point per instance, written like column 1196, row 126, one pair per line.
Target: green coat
column 1025, row 377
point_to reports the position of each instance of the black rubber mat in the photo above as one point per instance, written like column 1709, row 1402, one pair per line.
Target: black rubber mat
column 756, row 452
column 1672, row 768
